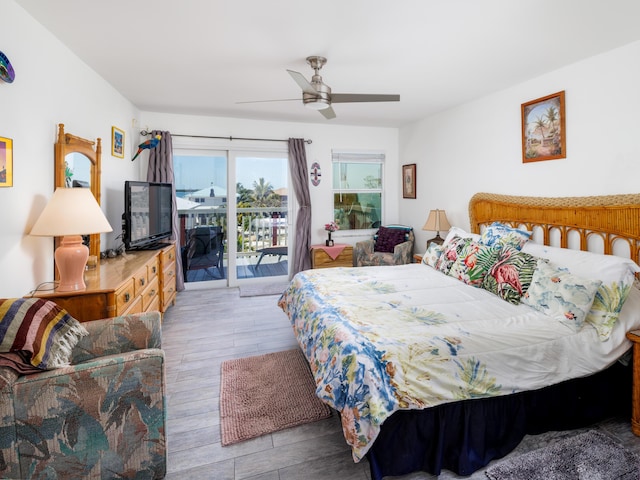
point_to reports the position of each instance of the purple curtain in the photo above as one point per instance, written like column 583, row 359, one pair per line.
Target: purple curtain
column 161, row 170
column 300, row 177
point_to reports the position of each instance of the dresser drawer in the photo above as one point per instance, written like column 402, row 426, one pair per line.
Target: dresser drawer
column 152, row 269
column 134, row 307
column 167, row 257
column 150, row 294
column 169, row 275
column 154, row 306
column 141, row 280
column 125, row 296
column 168, row 295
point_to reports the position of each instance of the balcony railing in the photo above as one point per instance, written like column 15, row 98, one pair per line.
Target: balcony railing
column 257, row 227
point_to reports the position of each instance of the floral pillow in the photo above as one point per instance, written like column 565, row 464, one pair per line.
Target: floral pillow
column 560, row 294
column 432, row 255
column 617, row 275
column 510, row 276
column 450, row 253
column 473, row 263
column 499, row 235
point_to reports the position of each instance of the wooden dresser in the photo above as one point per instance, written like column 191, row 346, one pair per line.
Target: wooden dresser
column 130, row 283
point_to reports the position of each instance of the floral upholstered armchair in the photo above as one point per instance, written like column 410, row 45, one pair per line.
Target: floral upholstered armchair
column 391, row 245
column 102, row 416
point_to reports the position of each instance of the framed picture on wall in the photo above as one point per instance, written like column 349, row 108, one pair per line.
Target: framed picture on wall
column 543, row 129
column 117, row 142
column 409, row 181
column 6, row 162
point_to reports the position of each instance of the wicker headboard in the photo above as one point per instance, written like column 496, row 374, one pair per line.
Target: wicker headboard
column 614, row 219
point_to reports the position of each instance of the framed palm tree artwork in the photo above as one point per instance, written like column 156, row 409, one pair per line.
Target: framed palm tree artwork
column 543, row 129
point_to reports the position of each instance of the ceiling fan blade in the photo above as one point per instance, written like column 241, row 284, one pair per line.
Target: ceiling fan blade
column 303, row 83
column 266, row 101
column 328, row 113
column 362, row 97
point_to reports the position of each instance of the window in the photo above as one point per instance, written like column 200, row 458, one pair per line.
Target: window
column 357, row 190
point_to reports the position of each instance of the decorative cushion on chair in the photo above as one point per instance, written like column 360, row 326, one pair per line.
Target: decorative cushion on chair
column 388, row 238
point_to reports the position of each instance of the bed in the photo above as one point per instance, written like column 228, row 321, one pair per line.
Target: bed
column 429, row 372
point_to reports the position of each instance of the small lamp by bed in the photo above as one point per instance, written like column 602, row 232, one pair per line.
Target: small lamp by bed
column 71, row 213
column 436, row 222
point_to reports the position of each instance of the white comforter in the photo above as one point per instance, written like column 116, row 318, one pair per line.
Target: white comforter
column 382, row 339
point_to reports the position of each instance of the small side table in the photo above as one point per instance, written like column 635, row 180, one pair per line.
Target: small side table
column 634, row 336
column 321, row 259
column 417, row 258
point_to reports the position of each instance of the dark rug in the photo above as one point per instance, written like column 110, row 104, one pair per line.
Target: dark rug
column 588, row 456
column 265, row 394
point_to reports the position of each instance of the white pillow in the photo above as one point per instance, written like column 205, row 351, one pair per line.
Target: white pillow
column 453, row 231
column 617, row 275
column 561, row 294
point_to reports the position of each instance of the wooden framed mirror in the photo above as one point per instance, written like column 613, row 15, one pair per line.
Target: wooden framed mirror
column 77, row 165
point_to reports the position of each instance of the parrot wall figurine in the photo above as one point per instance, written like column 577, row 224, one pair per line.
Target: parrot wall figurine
column 147, row 145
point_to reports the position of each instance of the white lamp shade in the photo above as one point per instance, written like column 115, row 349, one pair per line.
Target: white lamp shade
column 71, row 211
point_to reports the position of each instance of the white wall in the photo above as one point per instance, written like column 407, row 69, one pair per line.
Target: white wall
column 477, row 146
column 324, row 139
column 52, row 86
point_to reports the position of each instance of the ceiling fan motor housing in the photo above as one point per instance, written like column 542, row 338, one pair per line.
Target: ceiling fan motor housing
column 322, row 99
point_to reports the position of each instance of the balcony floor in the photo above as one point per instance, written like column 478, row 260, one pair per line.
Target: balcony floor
column 268, row 268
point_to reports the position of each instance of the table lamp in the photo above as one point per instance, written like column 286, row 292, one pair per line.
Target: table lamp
column 436, row 221
column 71, row 213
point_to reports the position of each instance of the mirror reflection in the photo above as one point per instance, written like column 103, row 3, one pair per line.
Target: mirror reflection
column 77, row 170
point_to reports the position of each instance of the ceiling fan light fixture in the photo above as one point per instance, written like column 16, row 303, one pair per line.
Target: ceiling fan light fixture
column 317, row 104
column 319, row 100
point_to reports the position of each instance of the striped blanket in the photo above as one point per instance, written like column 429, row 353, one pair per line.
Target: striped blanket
column 46, row 332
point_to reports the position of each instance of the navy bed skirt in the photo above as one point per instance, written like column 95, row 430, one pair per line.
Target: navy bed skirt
column 465, row 436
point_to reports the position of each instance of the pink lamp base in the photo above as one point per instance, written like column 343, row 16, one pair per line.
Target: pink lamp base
column 71, row 258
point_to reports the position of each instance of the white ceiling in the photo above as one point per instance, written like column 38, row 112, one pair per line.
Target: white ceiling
column 202, row 56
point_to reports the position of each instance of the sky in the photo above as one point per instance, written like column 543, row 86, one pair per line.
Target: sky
column 197, row 172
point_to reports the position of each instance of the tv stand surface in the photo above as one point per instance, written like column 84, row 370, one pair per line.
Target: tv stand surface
column 151, row 246
column 134, row 282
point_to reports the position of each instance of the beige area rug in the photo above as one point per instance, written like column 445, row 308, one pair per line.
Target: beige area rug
column 273, row 288
column 265, row 394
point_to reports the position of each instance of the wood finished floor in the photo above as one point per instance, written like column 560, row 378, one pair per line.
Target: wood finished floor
column 206, row 327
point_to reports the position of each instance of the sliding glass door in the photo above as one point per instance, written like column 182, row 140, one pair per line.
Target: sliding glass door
column 234, row 215
column 201, row 190
column 262, row 212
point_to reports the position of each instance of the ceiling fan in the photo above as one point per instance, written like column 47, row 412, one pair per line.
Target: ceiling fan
column 317, row 95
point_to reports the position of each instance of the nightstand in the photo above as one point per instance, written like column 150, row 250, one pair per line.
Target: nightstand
column 340, row 255
column 417, row 258
column 634, row 336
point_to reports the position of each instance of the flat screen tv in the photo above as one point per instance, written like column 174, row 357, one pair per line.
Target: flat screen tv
column 148, row 210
